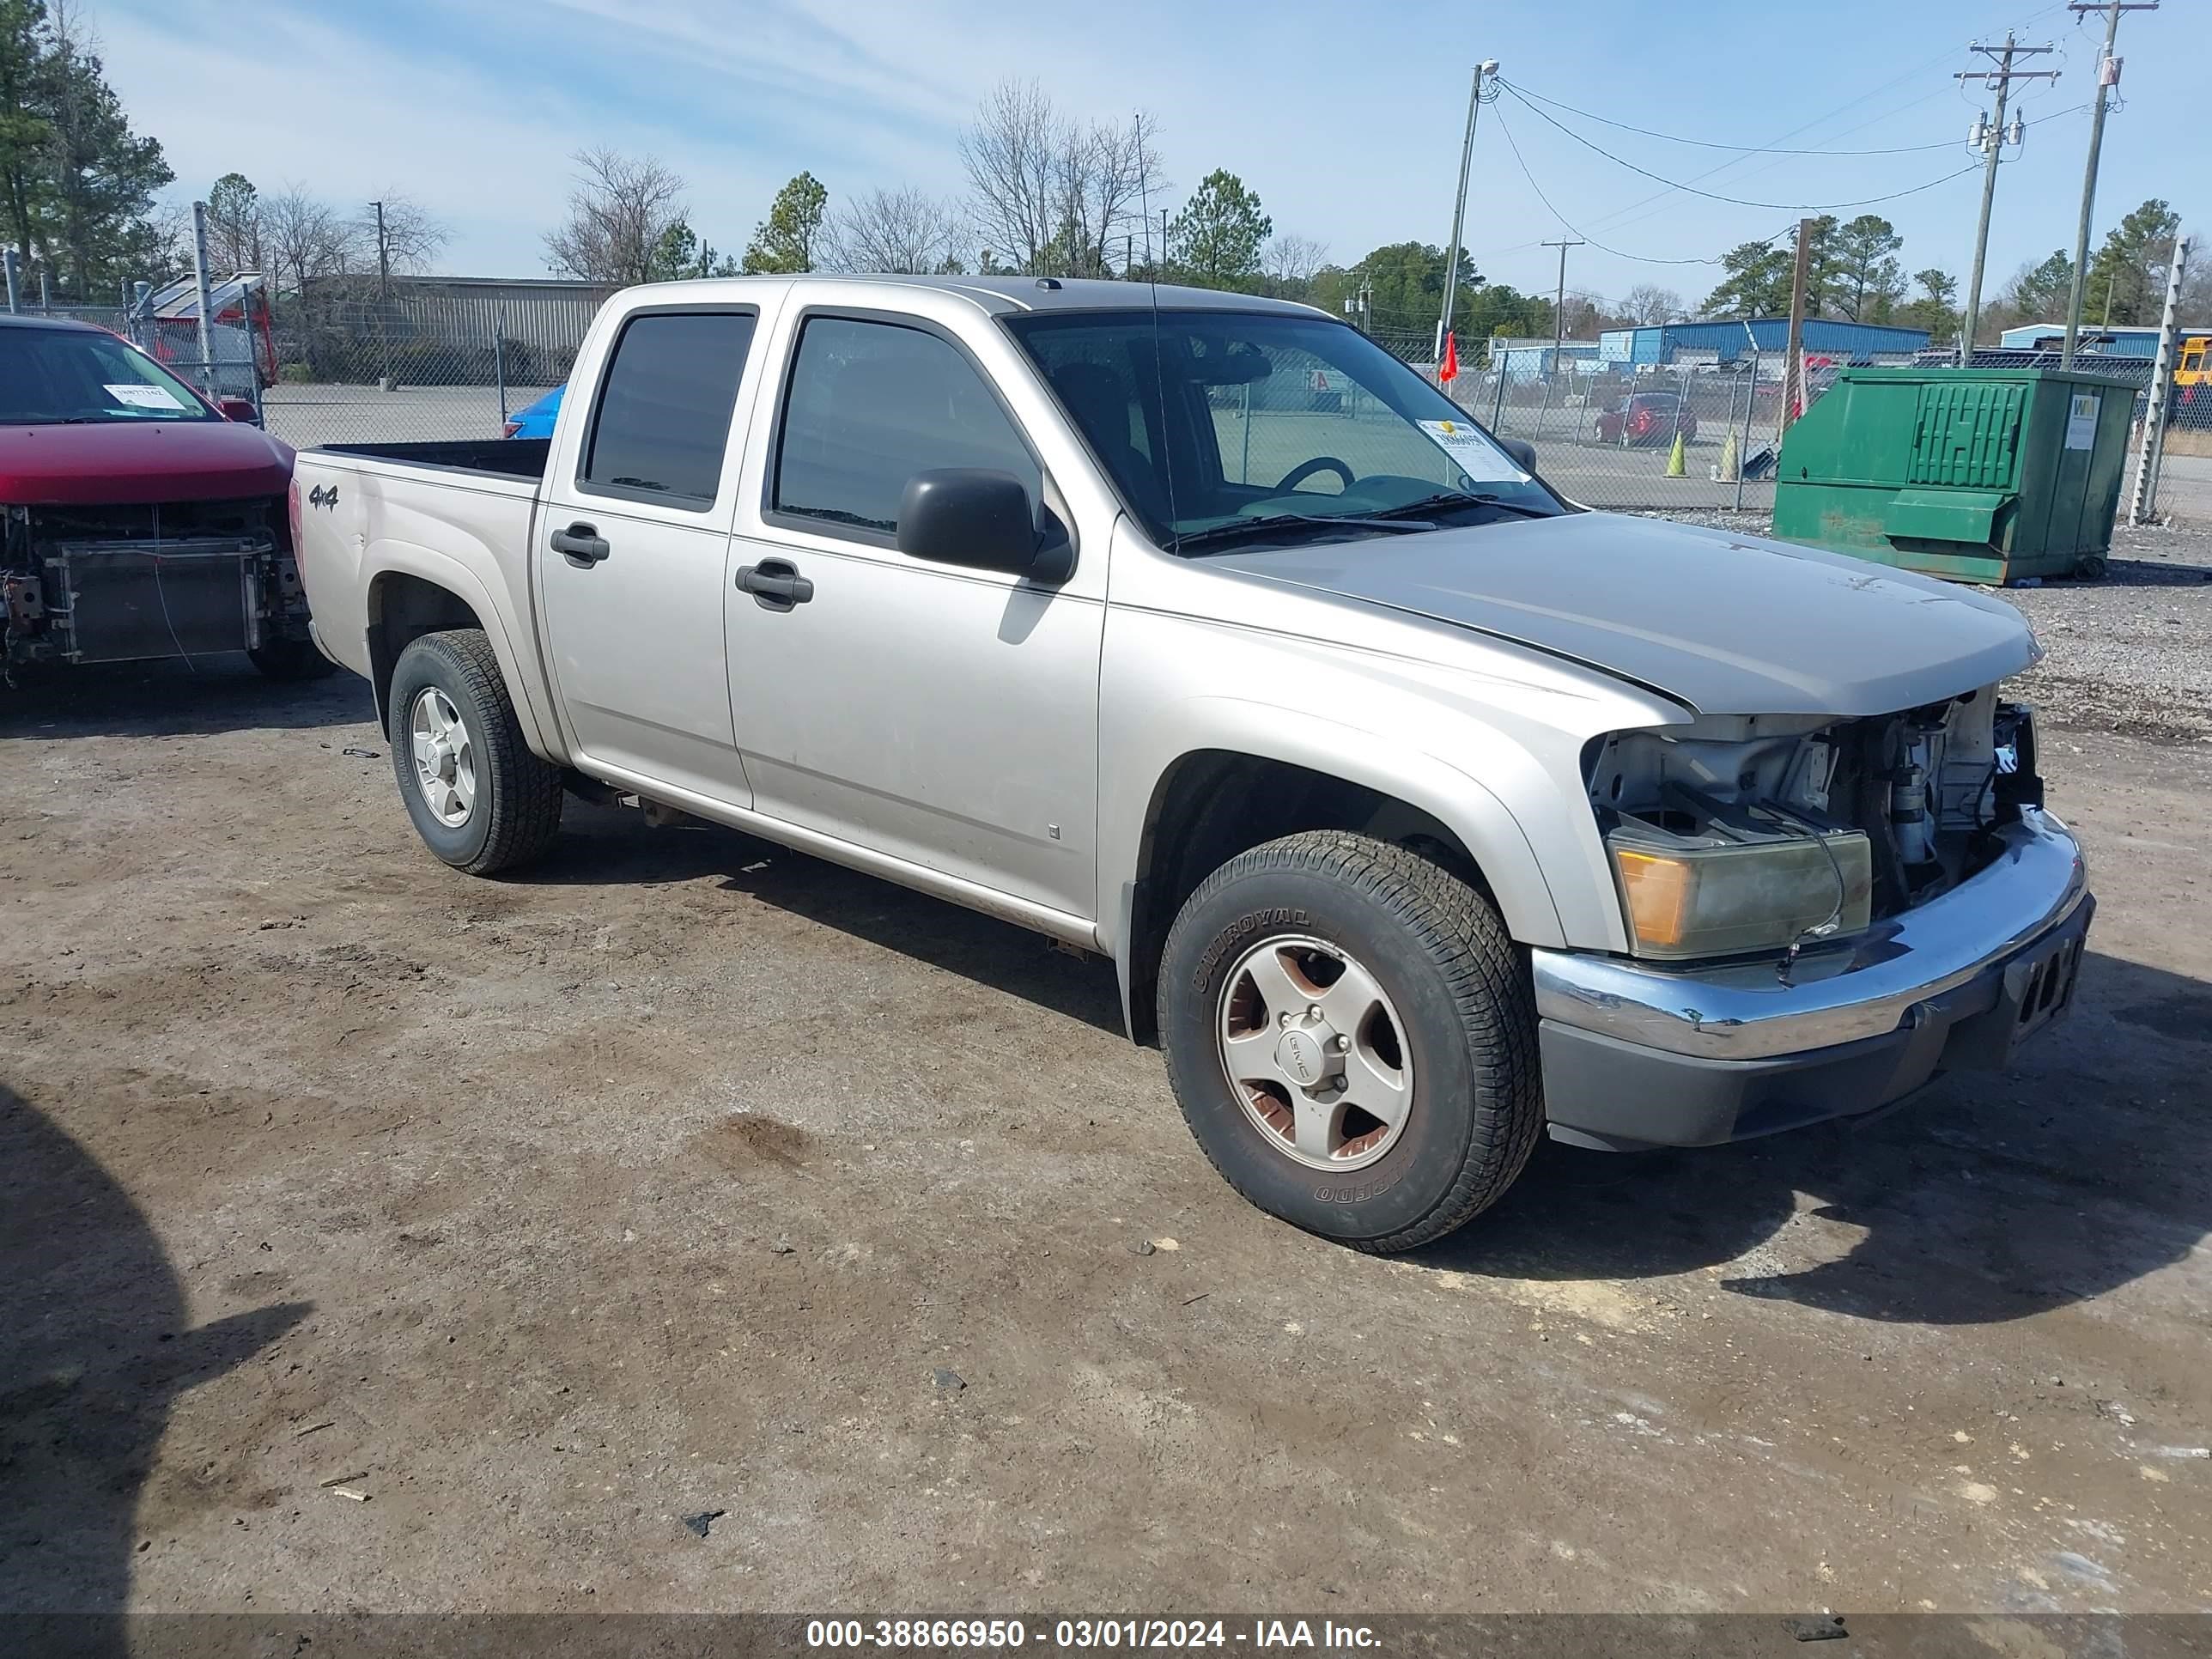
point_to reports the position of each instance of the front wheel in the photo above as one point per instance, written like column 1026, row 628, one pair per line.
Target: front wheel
column 479, row 798
column 1352, row 1037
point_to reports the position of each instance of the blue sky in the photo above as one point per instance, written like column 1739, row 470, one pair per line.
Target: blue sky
column 1345, row 118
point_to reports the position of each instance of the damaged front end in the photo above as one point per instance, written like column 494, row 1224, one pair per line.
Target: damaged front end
column 1739, row 834
column 1823, row 914
column 125, row 583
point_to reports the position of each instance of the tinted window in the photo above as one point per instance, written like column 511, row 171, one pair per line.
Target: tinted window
column 873, row 403
column 663, row 414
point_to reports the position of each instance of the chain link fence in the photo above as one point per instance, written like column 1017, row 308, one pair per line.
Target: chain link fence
column 1605, row 434
column 358, row 361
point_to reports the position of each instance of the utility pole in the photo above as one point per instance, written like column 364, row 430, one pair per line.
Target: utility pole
column 1793, row 367
column 1990, row 137
column 383, row 294
column 2108, row 77
column 1360, row 304
column 2152, row 454
column 1559, row 305
column 1487, row 67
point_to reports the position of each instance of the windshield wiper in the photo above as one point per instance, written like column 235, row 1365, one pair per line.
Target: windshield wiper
column 1238, row 529
column 1467, row 498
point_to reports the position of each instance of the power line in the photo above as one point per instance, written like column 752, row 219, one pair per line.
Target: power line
column 1701, row 143
column 1619, row 221
column 1736, row 201
column 1514, row 144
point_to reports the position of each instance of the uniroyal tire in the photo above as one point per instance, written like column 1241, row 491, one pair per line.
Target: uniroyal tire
column 1459, row 990
column 516, row 809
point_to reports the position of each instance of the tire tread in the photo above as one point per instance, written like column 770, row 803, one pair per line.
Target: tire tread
column 1463, row 931
column 525, row 790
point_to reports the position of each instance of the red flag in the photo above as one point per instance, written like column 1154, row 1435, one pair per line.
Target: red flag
column 1448, row 371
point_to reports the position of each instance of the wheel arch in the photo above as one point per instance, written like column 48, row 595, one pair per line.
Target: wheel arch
column 1207, row 804
column 410, row 597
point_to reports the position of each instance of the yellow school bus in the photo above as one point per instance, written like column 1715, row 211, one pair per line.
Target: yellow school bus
column 2192, row 381
column 2196, row 365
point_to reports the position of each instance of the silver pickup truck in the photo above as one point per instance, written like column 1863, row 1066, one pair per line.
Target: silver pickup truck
column 1417, row 808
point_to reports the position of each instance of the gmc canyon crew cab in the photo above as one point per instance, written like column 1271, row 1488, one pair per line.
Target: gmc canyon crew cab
column 1417, row 808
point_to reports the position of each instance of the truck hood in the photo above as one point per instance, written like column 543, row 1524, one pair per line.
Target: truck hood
column 1727, row 623
column 117, row 463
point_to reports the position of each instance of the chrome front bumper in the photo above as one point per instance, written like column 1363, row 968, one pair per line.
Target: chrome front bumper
column 1864, row 987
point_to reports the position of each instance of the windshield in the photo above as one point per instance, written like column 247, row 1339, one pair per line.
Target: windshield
column 75, row 374
column 1217, row 422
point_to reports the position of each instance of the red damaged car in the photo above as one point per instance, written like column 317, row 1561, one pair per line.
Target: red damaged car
column 1647, row 417
column 137, row 519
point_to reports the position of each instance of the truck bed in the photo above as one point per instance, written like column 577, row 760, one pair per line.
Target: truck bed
column 502, row 458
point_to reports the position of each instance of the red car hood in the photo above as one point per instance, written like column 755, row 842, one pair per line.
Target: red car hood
column 119, row 463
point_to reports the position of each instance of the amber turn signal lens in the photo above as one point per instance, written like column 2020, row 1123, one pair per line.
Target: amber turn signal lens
column 1659, row 890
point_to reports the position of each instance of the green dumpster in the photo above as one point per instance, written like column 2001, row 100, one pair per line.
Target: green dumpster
column 1984, row 475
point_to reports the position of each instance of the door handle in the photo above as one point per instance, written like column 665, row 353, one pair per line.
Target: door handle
column 775, row 584
column 581, row 544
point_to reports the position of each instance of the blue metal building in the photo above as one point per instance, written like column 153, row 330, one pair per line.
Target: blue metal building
column 2125, row 341
column 1730, row 341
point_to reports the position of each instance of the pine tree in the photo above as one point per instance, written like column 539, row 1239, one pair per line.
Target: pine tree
column 784, row 242
column 1218, row 236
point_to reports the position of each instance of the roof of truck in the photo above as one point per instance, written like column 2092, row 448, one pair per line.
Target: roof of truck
column 1003, row 294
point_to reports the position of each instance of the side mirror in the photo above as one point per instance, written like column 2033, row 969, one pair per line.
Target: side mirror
column 977, row 518
column 1522, row 451
column 237, row 409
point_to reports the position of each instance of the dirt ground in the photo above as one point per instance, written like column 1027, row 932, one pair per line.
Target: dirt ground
column 689, row 1179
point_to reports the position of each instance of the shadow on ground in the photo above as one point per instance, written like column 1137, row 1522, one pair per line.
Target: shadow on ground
column 610, row 845
column 173, row 698
column 1990, row 1196
column 96, row 1342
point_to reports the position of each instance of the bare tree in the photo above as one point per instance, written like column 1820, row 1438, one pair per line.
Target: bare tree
column 905, row 231
column 1290, row 261
column 1051, row 195
column 413, row 236
column 620, row 209
column 306, row 239
column 1648, row 303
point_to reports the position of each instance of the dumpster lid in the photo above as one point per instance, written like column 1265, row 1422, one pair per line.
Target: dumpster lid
column 1945, row 515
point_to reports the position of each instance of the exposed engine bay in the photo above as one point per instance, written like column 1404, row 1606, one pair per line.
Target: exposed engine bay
column 122, row 583
column 1845, row 822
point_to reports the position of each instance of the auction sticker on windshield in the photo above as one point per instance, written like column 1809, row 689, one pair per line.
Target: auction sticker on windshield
column 136, row 394
column 1471, row 453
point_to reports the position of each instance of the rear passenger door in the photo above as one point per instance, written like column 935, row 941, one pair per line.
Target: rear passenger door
column 946, row 716
column 633, row 538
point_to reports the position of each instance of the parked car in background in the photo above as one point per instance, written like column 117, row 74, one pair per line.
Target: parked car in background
column 1418, row 811
column 1646, row 418
column 535, row 420
column 137, row 519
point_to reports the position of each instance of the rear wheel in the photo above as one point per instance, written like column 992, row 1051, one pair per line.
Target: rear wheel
column 479, row 798
column 1352, row 1039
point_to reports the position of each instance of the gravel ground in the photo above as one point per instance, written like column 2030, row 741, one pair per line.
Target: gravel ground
column 694, row 1226
column 2131, row 652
